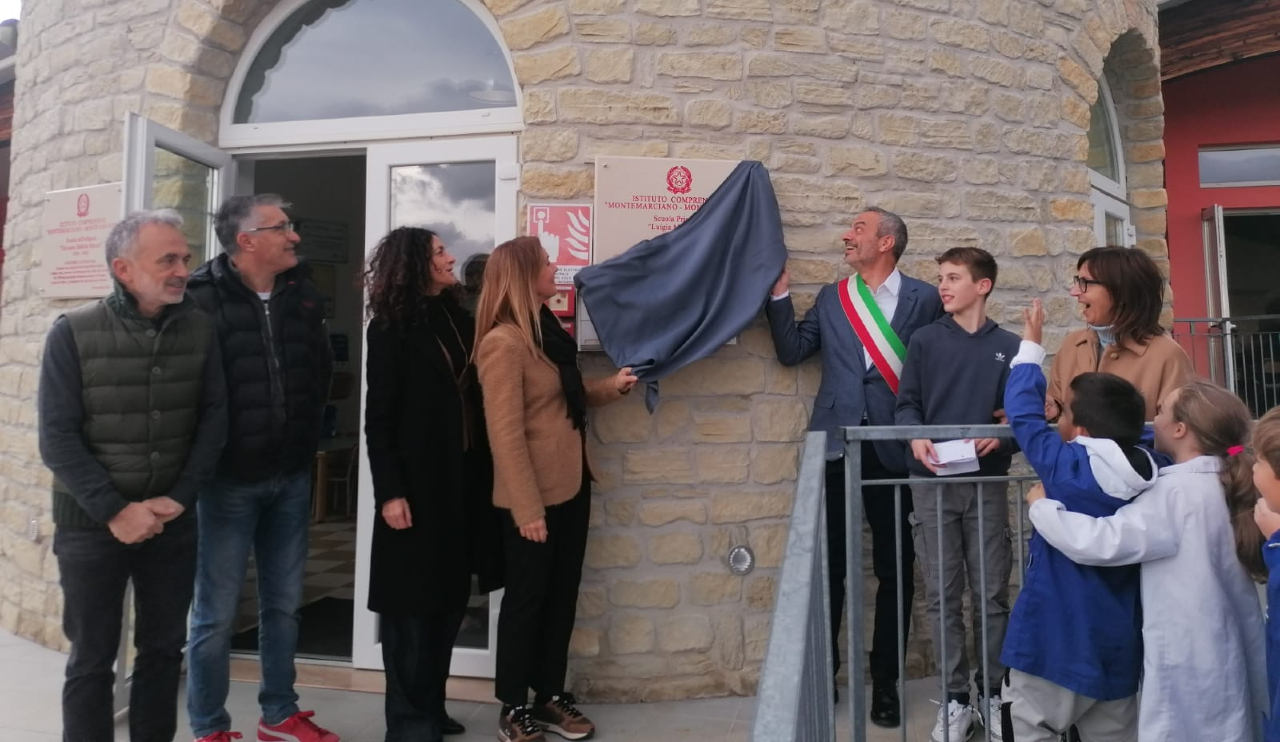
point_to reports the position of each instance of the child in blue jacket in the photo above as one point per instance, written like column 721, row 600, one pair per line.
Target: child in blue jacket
column 1266, row 465
column 1074, row 644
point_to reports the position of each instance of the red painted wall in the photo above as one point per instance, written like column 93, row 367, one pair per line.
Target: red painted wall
column 1233, row 104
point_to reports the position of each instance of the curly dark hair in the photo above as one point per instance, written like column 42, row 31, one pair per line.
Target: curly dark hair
column 398, row 276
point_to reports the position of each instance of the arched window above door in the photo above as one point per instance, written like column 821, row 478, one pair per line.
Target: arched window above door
column 369, row 69
column 1103, row 158
column 1112, row 223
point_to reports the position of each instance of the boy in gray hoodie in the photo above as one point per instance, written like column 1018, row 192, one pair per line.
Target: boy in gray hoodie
column 954, row 374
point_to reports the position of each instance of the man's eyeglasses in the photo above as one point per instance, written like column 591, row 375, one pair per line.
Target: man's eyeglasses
column 1083, row 283
column 284, row 228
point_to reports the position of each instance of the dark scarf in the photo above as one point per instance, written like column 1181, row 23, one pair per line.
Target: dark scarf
column 561, row 348
column 438, row 312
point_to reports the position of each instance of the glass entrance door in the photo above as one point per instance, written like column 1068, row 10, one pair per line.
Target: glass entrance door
column 1217, row 300
column 168, row 169
column 465, row 191
column 1248, row 243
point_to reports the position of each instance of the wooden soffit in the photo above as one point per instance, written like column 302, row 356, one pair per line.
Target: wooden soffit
column 1202, row 34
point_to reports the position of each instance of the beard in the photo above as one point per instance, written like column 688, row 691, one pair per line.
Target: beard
column 170, row 291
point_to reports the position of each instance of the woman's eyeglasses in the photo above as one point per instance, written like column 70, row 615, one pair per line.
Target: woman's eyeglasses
column 284, row 228
column 1083, row 283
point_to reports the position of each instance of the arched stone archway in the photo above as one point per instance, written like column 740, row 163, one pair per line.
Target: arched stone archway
column 1119, row 41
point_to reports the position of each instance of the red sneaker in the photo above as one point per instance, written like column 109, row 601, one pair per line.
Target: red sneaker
column 220, row 737
column 297, row 728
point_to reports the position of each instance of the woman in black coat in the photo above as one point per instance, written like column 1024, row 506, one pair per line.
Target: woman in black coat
column 432, row 475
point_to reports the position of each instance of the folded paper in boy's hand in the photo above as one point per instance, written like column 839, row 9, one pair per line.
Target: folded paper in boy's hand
column 956, row 457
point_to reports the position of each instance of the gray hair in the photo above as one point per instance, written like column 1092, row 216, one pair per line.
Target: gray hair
column 124, row 236
column 892, row 225
column 236, row 213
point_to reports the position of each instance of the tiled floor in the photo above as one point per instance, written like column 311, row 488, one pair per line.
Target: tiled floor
column 331, row 569
column 331, row 572
column 31, row 679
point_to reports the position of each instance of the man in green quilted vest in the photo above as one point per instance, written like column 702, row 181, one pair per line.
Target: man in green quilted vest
column 132, row 421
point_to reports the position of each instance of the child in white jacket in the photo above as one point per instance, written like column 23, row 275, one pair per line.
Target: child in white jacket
column 1204, row 671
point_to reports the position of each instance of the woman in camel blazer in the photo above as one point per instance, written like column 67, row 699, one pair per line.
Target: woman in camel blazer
column 535, row 403
column 1121, row 294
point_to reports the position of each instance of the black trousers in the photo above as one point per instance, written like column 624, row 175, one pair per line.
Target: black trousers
column 416, row 651
column 95, row 569
column 878, row 505
column 540, row 602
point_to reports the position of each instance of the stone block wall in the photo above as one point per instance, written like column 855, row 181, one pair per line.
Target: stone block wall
column 967, row 117
column 81, row 66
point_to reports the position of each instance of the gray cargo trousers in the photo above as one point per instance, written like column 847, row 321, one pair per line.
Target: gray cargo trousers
column 966, row 546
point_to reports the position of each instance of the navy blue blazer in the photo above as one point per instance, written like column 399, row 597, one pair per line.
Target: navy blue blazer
column 849, row 389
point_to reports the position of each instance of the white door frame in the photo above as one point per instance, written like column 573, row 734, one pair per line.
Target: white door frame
column 1217, row 300
column 141, row 138
column 1110, row 197
column 366, row 649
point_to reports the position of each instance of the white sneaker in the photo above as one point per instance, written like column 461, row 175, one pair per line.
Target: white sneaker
column 955, row 720
column 991, row 711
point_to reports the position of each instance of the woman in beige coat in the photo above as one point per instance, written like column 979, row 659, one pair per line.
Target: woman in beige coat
column 1121, row 295
column 535, row 406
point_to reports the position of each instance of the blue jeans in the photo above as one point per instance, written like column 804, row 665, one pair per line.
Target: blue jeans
column 271, row 517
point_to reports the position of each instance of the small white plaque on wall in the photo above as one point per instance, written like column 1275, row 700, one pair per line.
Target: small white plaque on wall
column 74, row 231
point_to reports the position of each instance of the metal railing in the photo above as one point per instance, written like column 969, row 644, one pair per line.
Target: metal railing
column 799, row 643
column 800, row 635
column 1240, row 353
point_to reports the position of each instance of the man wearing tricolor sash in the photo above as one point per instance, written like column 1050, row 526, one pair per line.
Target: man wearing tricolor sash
column 862, row 325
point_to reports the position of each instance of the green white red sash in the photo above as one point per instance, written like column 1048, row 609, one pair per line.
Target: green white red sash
column 871, row 327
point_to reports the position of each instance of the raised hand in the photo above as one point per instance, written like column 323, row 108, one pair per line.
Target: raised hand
column 624, row 380
column 783, row 284
column 1033, row 323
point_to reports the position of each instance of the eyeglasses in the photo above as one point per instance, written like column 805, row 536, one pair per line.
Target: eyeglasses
column 284, row 228
column 1083, row 283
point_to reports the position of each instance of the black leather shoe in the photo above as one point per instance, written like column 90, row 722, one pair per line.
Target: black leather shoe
column 452, row 726
column 885, row 707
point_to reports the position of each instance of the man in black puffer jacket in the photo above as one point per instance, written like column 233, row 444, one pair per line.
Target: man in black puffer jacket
column 278, row 363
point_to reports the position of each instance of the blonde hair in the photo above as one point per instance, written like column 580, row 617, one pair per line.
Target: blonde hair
column 507, row 296
column 1220, row 422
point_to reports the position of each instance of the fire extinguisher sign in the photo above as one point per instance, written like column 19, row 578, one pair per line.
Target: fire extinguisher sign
column 565, row 233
